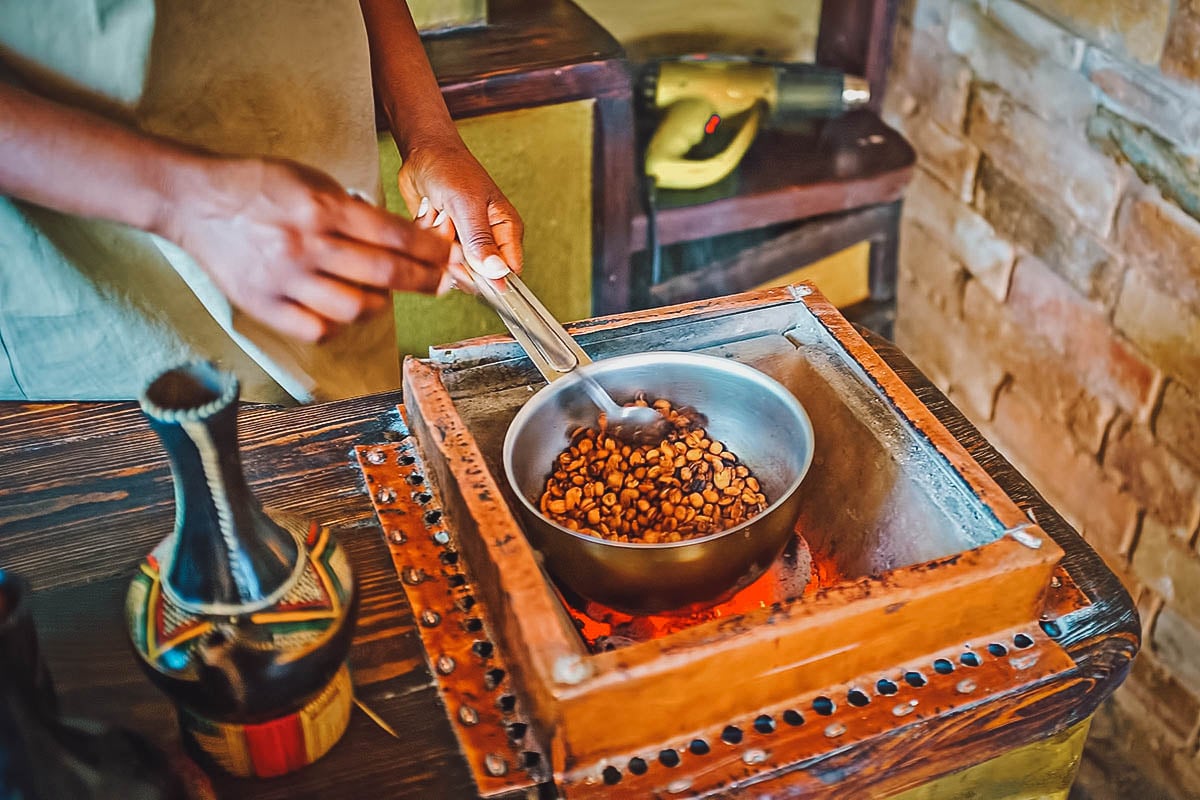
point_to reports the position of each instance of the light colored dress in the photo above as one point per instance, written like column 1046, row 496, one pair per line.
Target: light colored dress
column 93, row 310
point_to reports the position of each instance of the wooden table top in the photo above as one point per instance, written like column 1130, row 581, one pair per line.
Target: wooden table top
column 85, row 491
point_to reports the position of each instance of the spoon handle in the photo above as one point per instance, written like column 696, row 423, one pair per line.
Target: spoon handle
column 553, row 351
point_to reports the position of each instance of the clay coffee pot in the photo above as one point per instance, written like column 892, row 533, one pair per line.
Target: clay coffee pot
column 241, row 615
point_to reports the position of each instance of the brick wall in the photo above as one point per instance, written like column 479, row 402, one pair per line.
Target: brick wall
column 1050, row 283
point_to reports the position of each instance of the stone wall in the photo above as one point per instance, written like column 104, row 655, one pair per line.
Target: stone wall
column 1050, row 283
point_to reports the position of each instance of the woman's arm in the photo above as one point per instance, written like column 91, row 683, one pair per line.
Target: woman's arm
column 286, row 244
column 436, row 164
column 84, row 164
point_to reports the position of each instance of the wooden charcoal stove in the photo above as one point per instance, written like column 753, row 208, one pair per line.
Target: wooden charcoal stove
column 931, row 591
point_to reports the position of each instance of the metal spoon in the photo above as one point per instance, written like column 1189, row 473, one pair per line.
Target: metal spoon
column 637, row 424
column 557, row 355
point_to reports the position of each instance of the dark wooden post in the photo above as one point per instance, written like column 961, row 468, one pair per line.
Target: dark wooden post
column 856, row 37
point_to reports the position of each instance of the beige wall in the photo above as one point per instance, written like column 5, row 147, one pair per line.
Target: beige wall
column 784, row 29
column 440, row 15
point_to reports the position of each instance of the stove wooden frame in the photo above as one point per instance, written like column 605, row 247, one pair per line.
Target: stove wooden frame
column 726, row 702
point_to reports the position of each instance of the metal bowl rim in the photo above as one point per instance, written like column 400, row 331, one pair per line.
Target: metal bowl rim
column 543, row 395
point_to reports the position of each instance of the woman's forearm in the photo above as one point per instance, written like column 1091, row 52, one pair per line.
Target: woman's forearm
column 404, row 81
column 438, row 172
column 283, row 242
column 82, row 163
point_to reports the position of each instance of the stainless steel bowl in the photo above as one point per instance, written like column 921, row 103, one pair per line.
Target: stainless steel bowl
column 754, row 415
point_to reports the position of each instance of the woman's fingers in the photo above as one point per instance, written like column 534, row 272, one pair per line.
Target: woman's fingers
column 364, row 222
column 508, row 229
column 475, row 233
column 377, row 267
column 511, row 251
column 461, row 274
column 334, row 300
column 293, row 320
column 458, row 274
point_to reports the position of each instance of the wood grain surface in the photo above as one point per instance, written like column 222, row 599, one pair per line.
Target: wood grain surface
column 85, row 491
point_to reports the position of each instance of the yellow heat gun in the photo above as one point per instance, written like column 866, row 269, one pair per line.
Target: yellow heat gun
column 696, row 94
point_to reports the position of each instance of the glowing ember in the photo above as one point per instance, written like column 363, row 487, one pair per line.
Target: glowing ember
column 791, row 576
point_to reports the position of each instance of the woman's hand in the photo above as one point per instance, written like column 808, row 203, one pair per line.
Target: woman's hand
column 288, row 246
column 437, row 167
column 285, row 243
column 451, row 193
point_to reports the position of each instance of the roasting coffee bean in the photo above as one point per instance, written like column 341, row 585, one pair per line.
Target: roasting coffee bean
column 686, row 486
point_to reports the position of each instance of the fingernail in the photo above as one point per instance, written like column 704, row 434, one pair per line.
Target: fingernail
column 440, row 218
column 493, row 267
column 422, row 209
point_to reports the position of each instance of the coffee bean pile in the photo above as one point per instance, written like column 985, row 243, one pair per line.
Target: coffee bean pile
column 686, row 486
